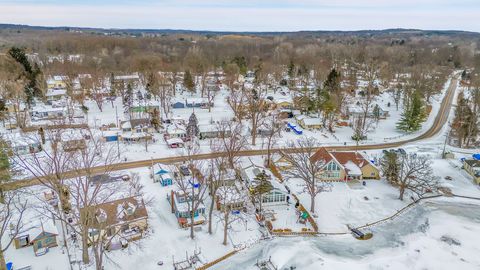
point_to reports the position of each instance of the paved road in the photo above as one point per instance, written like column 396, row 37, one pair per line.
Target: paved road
column 440, row 120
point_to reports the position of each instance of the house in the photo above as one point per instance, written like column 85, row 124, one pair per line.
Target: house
column 178, row 104
column 110, row 135
column 41, row 236
column 211, row 131
column 472, row 167
column 55, row 94
column 309, row 122
column 229, row 178
column 344, row 166
column 25, row 145
column 47, row 113
column 73, row 140
column 375, row 111
column 230, row 198
column 198, row 103
column 175, row 131
column 161, row 175
column 180, row 204
column 123, row 80
column 137, row 130
column 213, row 85
column 263, row 186
column 125, row 218
column 57, row 82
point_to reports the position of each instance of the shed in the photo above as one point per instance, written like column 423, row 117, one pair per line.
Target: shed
column 178, row 105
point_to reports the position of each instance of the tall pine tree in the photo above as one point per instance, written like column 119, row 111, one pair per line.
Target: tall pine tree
column 192, row 127
column 413, row 115
column 188, row 81
column 31, row 74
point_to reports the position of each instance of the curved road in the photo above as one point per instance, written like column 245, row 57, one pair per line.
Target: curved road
column 439, row 122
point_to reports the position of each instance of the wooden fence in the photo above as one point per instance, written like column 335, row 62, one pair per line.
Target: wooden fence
column 212, row 263
column 275, row 171
column 399, row 212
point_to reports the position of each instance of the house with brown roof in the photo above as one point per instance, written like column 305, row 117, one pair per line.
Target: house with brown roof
column 343, row 166
column 125, row 219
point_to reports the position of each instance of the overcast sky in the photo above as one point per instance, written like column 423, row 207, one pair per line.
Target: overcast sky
column 246, row 15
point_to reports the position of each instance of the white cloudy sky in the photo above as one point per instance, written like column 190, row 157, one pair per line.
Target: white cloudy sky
column 246, row 15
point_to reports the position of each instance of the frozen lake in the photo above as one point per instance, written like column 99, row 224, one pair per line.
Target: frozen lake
column 412, row 241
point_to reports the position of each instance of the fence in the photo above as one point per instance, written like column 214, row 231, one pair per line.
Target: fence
column 275, row 171
column 399, row 212
column 212, row 263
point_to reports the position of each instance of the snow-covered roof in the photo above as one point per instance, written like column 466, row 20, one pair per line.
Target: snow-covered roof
column 44, row 108
column 176, row 129
column 56, row 92
column 127, row 77
column 196, row 100
column 60, row 77
column 312, row 121
column 174, row 141
column 352, row 168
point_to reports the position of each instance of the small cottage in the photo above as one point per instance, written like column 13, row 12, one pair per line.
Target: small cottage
column 162, row 175
column 180, row 206
column 472, row 167
column 309, row 122
column 41, row 236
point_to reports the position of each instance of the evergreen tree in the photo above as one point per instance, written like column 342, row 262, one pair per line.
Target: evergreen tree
column 5, row 175
column 30, row 73
column 241, row 62
column 413, row 114
column 291, row 69
column 188, row 81
column 390, row 165
column 192, row 127
column 332, row 83
column 376, row 112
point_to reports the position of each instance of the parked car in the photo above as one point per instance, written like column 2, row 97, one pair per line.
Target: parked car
column 448, row 178
column 184, row 170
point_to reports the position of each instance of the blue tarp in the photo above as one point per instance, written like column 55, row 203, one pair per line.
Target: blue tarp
column 295, row 129
column 9, row 266
column 476, row 156
column 161, row 171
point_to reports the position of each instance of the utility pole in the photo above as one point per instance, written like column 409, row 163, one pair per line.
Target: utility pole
column 118, row 145
column 116, row 116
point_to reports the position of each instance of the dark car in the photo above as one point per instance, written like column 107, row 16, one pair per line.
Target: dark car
column 184, row 170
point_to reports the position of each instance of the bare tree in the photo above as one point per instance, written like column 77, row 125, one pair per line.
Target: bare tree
column 415, row 174
column 298, row 154
column 231, row 141
column 273, row 125
column 230, row 198
column 256, row 109
column 215, row 175
column 193, row 186
column 237, row 102
column 86, row 192
column 11, row 222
